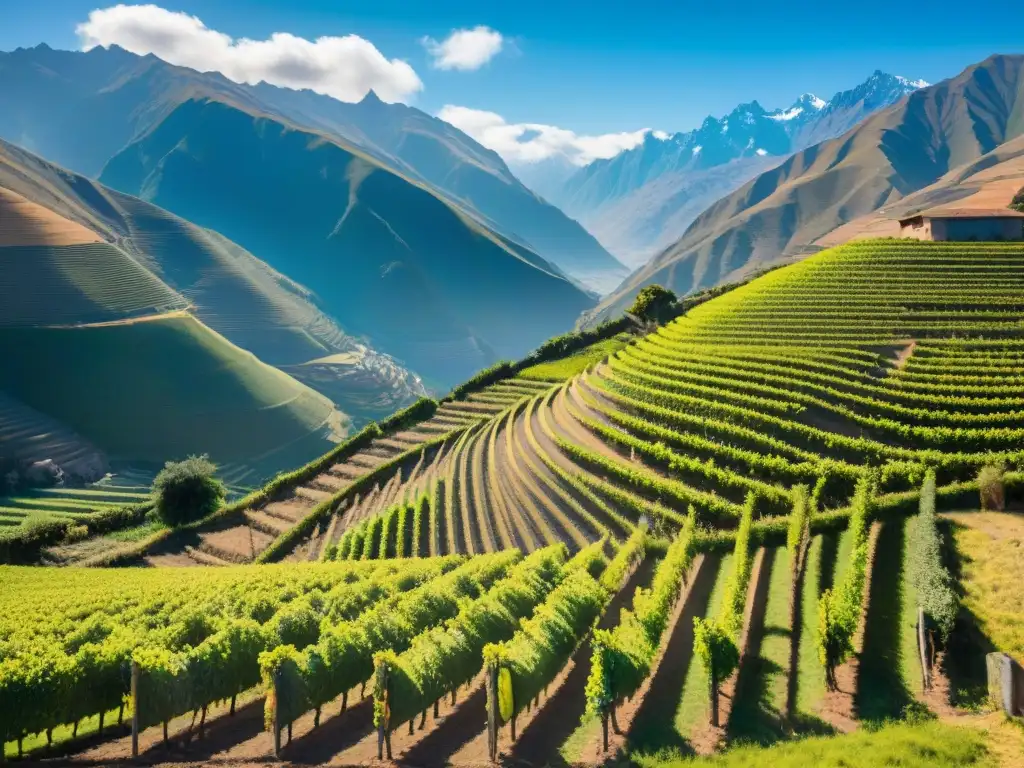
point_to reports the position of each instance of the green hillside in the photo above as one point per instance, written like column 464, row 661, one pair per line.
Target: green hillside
column 88, row 283
column 159, row 389
column 161, row 262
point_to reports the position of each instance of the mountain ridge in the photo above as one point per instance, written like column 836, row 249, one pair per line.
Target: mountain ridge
column 779, row 214
column 81, row 108
column 384, row 253
column 642, row 200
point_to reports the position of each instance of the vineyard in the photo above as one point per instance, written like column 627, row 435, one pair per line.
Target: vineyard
column 728, row 531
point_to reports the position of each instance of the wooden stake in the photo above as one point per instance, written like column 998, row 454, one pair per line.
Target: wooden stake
column 135, row 709
column 492, row 713
column 922, row 647
column 277, row 714
column 714, row 700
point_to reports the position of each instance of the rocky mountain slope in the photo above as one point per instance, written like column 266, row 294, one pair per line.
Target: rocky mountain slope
column 79, row 109
column 894, row 153
column 641, row 201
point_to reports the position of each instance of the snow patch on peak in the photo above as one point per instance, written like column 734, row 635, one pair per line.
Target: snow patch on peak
column 912, row 83
column 789, row 114
column 697, row 149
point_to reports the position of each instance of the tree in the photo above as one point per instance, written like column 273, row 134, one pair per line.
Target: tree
column 1017, row 203
column 187, row 490
column 653, row 304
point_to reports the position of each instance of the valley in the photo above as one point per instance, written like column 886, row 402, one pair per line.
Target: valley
column 326, row 440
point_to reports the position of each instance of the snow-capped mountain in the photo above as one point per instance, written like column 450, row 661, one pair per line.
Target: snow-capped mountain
column 643, row 199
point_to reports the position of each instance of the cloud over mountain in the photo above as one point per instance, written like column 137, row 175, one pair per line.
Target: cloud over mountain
column 534, row 142
column 343, row 67
column 465, row 49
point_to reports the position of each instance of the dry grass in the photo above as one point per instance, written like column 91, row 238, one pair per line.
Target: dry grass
column 991, row 546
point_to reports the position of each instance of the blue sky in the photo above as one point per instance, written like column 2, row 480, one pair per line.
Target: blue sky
column 603, row 67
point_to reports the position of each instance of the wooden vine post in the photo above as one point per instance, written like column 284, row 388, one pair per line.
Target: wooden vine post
column 382, row 713
column 493, row 714
column 922, row 647
column 277, row 713
column 135, row 708
column 713, row 690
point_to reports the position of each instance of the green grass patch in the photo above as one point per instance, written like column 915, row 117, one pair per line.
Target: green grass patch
column 567, row 367
column 810, row 683
column 138, row 532
column 759, row 711
column 191, row 391
column 882, row 693
column 926, row 745
column 990, row 547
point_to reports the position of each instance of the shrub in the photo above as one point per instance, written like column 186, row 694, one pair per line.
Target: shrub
column 187, row 490
column 653, row 304
column 934, row 584
column 1017, row 203
column 991, row 488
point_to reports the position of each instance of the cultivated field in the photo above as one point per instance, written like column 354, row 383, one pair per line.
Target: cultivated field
column 756, row 482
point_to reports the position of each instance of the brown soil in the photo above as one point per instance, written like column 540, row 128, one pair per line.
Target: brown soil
column 657, row 700
column 541, row 735
column 904, row 354
column 24, row 223
column 686, row 608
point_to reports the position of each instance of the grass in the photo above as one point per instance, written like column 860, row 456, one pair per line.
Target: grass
column 180, row 389
column 882, row 693
column 757, row 715
column 137, row 533
column 85, row 283
column 567, row 367
column 991, row 550
column 810, row 684
column 926, row 745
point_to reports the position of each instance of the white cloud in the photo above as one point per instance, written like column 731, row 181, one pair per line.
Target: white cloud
column 534, row 142
column 343, row 67
column 465, row 48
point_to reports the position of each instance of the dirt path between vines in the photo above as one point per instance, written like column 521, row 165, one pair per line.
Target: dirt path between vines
column 540, row 738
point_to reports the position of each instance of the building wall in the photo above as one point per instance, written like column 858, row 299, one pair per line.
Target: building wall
column 961, row 230
column 923, row 232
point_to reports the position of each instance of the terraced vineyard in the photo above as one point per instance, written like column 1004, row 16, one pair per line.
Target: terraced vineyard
column 883, row 355
column 748, row 481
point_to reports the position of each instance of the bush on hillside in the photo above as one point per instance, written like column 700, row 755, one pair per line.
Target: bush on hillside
column 1017, row 203
column 187, row 490
column 992, row 489
column 653, row 304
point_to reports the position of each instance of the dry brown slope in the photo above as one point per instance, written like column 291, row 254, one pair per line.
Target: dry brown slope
column 778, row 215
column 989, row 182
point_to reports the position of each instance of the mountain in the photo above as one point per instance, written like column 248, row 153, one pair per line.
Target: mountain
column 890, row 155
column 105, row 361
column 385, row 255
column 448, row 160
column 79, row 109
column 225, row 286
column 642, row 200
